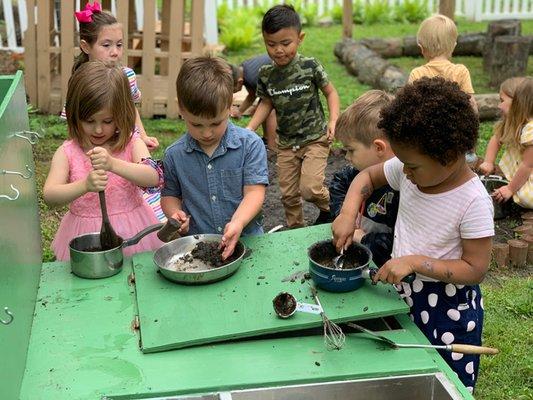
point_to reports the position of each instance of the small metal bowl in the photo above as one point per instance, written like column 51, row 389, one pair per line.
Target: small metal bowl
column 282, row 299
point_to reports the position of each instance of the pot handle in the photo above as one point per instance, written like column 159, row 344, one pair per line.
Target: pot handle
column 135, row 239
column 407, row 279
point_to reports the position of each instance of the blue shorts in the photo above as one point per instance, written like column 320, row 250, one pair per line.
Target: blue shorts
column 446, row 314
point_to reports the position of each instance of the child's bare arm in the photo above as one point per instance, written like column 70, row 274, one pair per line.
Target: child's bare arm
column 151, row 142
column 469, row 270
column 250, row 206
column 487, row 167
column 361, row 188
column 139, row 174
column 172, row 208
column 519, row 179
column 247, row 102
column 333, row 105
column 261, row 114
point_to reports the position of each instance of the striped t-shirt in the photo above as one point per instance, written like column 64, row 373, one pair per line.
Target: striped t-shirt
column 433, row 225
column 132, row 81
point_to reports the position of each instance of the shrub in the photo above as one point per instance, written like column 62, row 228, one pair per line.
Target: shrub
column 336, row 13
column 412, row 11
column 377, row 11
column 357, row 12
column 239, row 29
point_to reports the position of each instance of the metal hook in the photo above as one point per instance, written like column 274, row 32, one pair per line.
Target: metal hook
column 6, row 172
column 5, row 196
column 11, row 317
column 34, row 136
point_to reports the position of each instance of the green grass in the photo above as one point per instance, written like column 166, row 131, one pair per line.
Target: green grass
column 508, row 294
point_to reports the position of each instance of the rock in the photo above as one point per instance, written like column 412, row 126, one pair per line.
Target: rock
column 488, row 106
column 325, row 21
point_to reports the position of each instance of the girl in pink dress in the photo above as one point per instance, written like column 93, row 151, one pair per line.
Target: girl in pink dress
column 103, row 153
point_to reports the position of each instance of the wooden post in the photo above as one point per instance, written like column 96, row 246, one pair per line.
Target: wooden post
column 30, row 54
column 518, row 250
column 500, row 254
column 447, row 7
column 529, row 240
column 347, row 22
column 510, row 56
column 523, row 230
column 43, row 55
column 174, row 55
column 197, row 27
column 123, row 18
column 148, row 59
column 67, row 45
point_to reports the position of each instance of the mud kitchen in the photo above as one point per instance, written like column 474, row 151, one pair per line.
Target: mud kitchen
column 143, row 334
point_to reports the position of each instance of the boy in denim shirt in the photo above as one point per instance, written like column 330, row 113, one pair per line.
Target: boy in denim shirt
column 216, row 174
column 290, row 86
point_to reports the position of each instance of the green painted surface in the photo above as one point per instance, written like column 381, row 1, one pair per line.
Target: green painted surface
column 20, row 241
column 175, row 316
column 82, row 347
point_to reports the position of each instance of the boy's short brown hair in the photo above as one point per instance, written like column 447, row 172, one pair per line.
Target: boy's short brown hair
column 360, row 120
column 437, row 35
column 205, row 86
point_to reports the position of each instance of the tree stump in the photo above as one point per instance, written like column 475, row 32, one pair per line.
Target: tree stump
column 470, row 44
column 371, row 69
column 518, row 250
column 410, row 47
column 500, row 254
column 510, row 27
column 529, row 240
column 487, row 105
column 393, row 78
column 523, row 230
column 510, row 55
column 385, row 47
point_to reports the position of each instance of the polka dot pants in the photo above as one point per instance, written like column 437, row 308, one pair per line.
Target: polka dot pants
column 447, row 314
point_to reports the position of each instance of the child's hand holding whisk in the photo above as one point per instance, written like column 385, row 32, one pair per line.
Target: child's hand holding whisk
column 101, row 159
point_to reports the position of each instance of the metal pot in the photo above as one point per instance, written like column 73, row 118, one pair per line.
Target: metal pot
column 100, row 264
column 491, row 183
column 338, row 280
column 166, row 257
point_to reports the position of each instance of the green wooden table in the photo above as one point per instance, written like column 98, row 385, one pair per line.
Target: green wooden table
column 175, row 316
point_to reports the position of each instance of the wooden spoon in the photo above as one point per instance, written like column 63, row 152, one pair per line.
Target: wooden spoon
column 108, row 238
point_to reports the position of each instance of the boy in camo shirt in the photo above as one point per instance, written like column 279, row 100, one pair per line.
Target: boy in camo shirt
column 290, row 86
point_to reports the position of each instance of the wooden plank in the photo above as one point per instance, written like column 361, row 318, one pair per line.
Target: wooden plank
column 175, row 56
column 175, row 316
column 197, row 27
column 148, row 58
column 347, row 22
column 67, row 45
column 30, row 54
column 43, row 55
column 123, row 18
column 164, row 36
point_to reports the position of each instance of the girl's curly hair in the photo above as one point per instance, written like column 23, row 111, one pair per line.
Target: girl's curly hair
column 435, row 116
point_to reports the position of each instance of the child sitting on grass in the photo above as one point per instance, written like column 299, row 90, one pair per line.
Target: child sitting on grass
column 365, row 146
column 444, row 228
column 215, row 174
column 290, row 86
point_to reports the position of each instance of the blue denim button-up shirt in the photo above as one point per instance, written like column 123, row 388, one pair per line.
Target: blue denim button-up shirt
column 211, row 188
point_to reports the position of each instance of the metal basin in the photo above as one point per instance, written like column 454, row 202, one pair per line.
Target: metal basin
column 166, row 256
column 428, row 387
column 491, row 183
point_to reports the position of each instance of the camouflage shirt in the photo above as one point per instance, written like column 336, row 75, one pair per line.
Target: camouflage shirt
column 293, row 90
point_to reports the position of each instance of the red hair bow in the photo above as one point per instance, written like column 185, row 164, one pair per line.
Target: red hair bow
column 88, row 11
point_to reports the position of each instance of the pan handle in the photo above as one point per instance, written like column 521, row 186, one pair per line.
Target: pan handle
column 471, row 349
column 373, row 271
column 135, row 239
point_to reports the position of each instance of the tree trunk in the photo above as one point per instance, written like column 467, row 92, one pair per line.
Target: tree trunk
column 509, row 27
column 510, row 55
column 447, row 7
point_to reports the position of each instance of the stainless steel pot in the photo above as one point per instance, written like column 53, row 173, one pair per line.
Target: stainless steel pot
column 100, row 264
column 167, row 259
column 491, row 183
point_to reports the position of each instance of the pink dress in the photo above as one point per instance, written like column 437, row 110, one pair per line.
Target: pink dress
column 128, row 212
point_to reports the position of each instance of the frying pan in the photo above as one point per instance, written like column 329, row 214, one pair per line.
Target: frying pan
column 170, row 261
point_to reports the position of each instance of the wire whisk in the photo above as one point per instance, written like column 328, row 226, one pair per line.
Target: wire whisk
column 333, row 336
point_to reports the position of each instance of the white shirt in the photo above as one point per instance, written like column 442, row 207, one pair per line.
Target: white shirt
column 433, row 225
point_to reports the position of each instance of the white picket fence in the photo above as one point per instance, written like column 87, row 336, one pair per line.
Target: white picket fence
column 12, row 31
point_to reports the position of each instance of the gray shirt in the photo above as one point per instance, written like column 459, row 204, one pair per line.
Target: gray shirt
column 211, row 188
column 250, row 70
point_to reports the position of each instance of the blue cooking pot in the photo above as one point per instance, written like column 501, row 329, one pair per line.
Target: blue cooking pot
column 355, row 266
